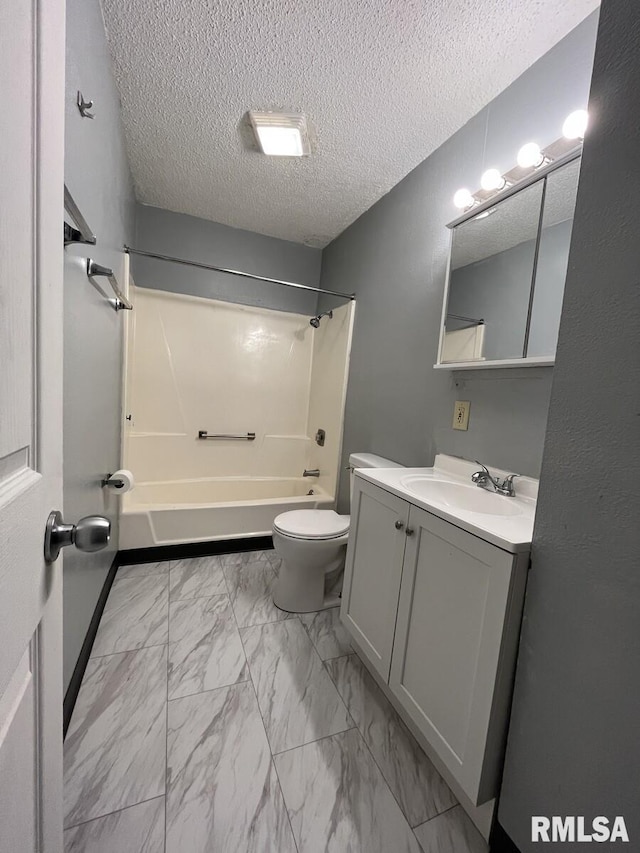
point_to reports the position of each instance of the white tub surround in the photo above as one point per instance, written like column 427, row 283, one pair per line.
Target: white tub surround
column 195, row 365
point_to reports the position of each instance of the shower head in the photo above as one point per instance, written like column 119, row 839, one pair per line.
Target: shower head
column 315, row 321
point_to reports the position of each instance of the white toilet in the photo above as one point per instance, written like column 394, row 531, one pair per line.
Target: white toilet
column 312, row 544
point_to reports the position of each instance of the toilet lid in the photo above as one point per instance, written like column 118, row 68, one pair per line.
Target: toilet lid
column 312, row 524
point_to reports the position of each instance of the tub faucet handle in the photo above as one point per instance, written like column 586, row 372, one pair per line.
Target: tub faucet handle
column 314, row 472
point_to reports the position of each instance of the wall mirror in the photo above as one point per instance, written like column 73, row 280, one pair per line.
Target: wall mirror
column 507, row 269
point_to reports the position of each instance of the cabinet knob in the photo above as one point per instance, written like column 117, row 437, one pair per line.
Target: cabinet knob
column 399, row 525
column 409, row 531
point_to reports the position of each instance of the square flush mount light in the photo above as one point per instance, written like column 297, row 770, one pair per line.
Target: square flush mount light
column 281, row 134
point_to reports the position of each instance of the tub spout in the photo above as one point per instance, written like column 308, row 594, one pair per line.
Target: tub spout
column 314, row 472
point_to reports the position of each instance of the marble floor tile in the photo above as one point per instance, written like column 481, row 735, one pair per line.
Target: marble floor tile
column 298, row 700
column 274, row 559
column 137, row 829
column 115, row 749
column 200, row 577
column 250, row 588
column 136, row 615
column 338, row 801
column 242, row 558
column 418, row 787
column 451, row 832
column 205, row 650
column 140, row 569
column 223, row 792
column 327, row 633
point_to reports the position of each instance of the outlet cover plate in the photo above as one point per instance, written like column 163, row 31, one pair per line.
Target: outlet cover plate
column 461, row 414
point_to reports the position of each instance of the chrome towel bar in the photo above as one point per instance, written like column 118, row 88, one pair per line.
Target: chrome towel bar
column 121, row 301
column 473, row 320
column 82, row 233
column 247, row 436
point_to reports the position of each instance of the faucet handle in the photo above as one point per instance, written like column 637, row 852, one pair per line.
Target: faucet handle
column 480, row 476
column 507, row 485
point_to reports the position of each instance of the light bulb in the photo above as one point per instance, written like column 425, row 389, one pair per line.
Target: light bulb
column 463, row 199
column 530, row 156
column 575, row 125
column 492, row 180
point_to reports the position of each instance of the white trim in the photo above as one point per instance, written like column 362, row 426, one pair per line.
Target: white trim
column 539, row 361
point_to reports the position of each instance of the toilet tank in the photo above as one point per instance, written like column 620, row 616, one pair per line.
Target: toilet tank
column 368, row 460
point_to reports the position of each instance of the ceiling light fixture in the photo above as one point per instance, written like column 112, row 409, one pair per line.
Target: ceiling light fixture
column 280, row 134
column 492, row 180
column 463, row 199
column 575, row 125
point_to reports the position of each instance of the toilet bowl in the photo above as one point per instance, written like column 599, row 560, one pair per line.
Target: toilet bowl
column 312, row 544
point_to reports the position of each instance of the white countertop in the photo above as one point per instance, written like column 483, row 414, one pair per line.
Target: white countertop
column 512, row 533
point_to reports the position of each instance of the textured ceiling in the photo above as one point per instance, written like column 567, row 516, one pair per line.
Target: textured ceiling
column 382, row 83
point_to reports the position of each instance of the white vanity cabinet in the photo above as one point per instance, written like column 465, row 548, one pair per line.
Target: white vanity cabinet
column 436, row 611
column 373, row 571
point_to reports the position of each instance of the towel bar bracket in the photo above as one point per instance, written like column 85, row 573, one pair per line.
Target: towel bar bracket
column 120, row 302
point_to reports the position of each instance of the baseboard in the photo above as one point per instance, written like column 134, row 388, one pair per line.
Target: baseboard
column 73, row 689
column 194, row 549
column 500, row 842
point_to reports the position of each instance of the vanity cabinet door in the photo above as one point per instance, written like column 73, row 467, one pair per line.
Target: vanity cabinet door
column 451, row 646
column 372, row 571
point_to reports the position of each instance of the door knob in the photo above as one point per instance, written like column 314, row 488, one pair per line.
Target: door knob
column 409, row 531
column 399, row 525
column 91, row 533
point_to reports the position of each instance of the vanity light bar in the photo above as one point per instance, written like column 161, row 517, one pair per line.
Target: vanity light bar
column 530, row 158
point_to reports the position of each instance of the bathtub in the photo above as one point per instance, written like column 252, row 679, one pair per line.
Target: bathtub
column 182, row 511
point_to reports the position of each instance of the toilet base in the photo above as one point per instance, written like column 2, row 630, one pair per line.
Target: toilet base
column 309, row 579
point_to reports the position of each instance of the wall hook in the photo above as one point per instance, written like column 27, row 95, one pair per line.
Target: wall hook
column 84, row 106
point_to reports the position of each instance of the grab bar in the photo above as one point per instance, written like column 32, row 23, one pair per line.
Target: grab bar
column 82, row 233
column 248, row 436
column 121, row 301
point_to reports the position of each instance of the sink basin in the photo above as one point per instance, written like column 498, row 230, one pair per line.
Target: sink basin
column 459, row 496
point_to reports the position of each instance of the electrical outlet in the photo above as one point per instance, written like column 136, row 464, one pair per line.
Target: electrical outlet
column 461, row 414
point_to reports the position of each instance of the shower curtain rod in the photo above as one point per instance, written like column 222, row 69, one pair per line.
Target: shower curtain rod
column 295, row 284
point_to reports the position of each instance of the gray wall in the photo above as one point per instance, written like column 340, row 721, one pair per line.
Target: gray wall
column 573, row 744
column 207, row 242
column 97, row 175
column 394, row 257
column 497, row 290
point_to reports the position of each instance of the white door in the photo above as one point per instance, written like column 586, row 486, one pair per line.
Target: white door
column 31, row 207
column 373, row 570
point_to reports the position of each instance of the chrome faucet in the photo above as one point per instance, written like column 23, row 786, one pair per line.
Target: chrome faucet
column 314, row 472
column 484, row 479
